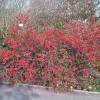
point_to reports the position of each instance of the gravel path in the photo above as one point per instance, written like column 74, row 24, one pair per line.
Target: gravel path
column 32, row 93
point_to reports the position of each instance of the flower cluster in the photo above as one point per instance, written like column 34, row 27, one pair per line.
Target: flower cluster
column 54, row 58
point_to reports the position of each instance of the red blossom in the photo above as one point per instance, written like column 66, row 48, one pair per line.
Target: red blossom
column 85, row 72
column 22, row 62
column 22, row 18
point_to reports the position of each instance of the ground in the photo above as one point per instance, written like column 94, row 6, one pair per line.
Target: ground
column 32, row 93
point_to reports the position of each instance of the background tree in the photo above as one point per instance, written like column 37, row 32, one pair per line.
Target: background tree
column 76, row 9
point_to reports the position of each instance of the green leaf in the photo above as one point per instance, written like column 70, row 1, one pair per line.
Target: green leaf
column 1, row 40
column 5, row 46
column 59, row 24
column 97, row 63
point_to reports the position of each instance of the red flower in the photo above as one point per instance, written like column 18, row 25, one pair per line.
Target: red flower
column 47, row 44
column 27, row 54
column 40, row 59
column 30, row 67
column 22, row 62
column 85, row 72
column 22, row 18
column 72, row 72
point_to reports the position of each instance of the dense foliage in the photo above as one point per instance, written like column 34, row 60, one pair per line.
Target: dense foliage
column 59, row 58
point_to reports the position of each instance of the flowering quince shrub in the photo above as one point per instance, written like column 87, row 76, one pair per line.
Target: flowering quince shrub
column 57, row 58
